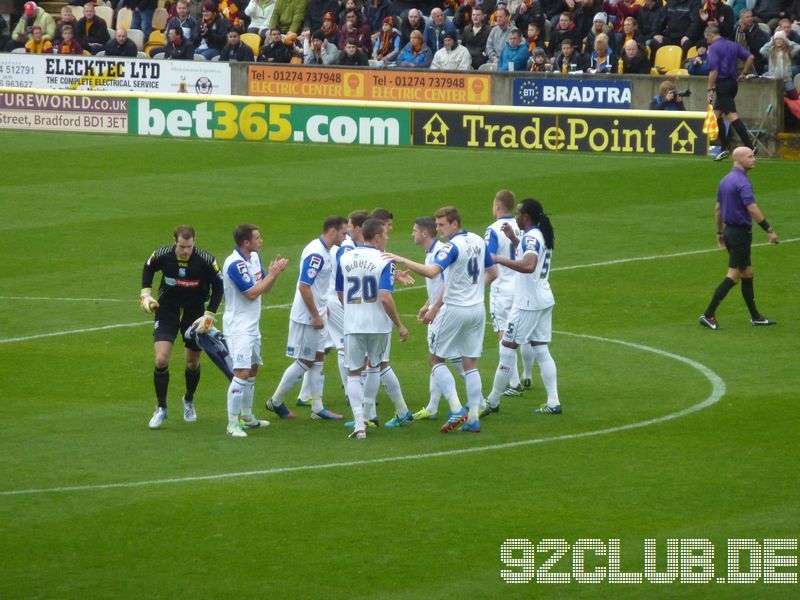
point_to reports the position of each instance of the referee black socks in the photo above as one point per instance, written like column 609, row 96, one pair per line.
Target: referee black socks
column 719, row 295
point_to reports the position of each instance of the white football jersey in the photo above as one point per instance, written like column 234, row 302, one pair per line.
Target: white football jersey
column 532, row 291
column 498, row 243
column 360, row 276
column 241, row 315
column 466, row 260
column 434, row 285
column 315, row 272
column 336, row 252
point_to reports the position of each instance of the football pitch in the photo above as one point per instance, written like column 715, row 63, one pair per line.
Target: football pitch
column 670, row 432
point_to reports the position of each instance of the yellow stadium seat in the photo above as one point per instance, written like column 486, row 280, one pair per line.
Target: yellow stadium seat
column 77, row 12
column 691, row 53
column 668, row 58
column 160, row 18
column 253, row 40
column 155, row 40
column 677, row 72
column 106, row 13
column 124, row 18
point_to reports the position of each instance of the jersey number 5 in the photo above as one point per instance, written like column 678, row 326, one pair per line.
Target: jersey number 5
column 367, row 285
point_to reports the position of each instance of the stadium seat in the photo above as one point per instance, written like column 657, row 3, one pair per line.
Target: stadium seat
column 77, row 12
column 668, row 58
column 124, row 18
column 158, row 56
column 101, row 53
column 106, row 13
column 676, row 72
column 253, row 40
column 141, row 55
column 765, row 28
column 160, row 18
column 215, row 59
column 137, row 37
column 199, row 57
column 19, row 51
column 691, row 53
column 155, row 40
column 488, row 67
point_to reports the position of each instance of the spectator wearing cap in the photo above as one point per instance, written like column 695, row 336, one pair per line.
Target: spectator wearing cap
column 38, row 44
column 316, row 11
column 213, row 32
column 235, row 50
column 452, row 56
column 634, row 59
column 498, row 36
column 321, row 51
column 698, row 65
column 330, row 29
column 416, row 54
column 120, row 45
column 599, row 26
column 515, row 54
column 91, row 31
column 31, row 15
column 356, row 28
column 779, row 53
column 538, row 62
column 288, row 15
column 353, row 56
column 583, row 15
column 259, row 12
column 435, row 30
column 387, row 42
column 377, row 11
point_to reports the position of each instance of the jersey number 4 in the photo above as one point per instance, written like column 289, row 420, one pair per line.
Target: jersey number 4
column 362, row 289
column 473, row 270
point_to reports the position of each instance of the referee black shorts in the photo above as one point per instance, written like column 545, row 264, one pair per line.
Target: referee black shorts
column 725, row 98
column 738, row 240
column 171, row 318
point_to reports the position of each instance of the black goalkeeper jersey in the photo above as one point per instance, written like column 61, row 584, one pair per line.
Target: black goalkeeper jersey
column 185, row 282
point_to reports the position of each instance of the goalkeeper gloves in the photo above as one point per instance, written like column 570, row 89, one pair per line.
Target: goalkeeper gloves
column 146, row 301
column 204, row 323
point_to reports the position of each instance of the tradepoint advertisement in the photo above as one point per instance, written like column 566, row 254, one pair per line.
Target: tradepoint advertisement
column 259, row 121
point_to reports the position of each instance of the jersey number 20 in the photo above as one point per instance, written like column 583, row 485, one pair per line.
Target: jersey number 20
column 367, row 286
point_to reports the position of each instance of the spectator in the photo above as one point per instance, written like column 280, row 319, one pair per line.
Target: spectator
column 4, row 37
column 91, row 31
column 416, row 54
column 634, row 59
column 539, row 62
column 668, row 98
column 535, row 37
column 142, row 17
column 463, row 16
column 31, row 15
column 621, row 10
column 475, row 36
column 779, row 53
column 569, row 61
column 121, row 46
column 770, row 12
column 275, row 50
column 630, row 31
column 750, row 37
column 565, row 29
column 719, row 14
column 530, row 11
column 316, row 11
column 321, row 51
column 38, row 44
column 68, row 43
column 682, row 25
column 603, row 59
column 452, row 56
column 412, row 22
column 434, row 32
column 195, row 9
column 353, row 56
column 698, row 65
column 583, row 16
column 515, row 55
column 377, row 11
column 235, row 50
column 651, row 20
column 229, row 11
column 349, row 5
column 498, row 36
column 189, row 26
column 387, row 42
column 213, row 32
column 178, row 47
column 599, row 26
column 355, row 28
column 288, row 15
column 330, row 29
column 260, row 12
column 67, row 18
column 785, row 25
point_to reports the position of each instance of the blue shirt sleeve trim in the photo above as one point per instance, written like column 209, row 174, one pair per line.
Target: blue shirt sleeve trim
column 237, row 271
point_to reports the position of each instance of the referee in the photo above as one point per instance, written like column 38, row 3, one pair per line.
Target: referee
column 723, row 84
column 187, row 275
column 736, row 208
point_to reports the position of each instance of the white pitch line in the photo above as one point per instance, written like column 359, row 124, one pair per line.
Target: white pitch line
column 61, row 299
column 72, row 331
column 718, row 390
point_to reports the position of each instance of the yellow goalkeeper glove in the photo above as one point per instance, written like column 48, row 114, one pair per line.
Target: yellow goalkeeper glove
column 204, row 323
column 146, row 301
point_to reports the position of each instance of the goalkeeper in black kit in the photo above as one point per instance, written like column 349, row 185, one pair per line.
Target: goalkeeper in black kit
column 190, row 277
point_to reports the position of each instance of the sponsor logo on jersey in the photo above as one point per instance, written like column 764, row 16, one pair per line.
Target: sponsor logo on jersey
column 316, row 262
column 187, row 283
column 241, row 267
column 169, row 281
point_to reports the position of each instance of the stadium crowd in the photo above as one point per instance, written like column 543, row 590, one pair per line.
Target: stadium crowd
column 591, row 36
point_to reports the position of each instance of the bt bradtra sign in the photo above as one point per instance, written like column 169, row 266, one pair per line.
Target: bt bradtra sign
column 572, row 93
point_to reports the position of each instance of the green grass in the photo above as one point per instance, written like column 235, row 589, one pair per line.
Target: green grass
column 81, row 213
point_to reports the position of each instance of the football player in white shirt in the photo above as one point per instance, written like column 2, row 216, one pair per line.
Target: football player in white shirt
column 463, row 316
column 531, row 319
column 245, row 282
column 501, row 293
column 365, row 282
column 351, row 239
column 424, row 234
column 307, row 332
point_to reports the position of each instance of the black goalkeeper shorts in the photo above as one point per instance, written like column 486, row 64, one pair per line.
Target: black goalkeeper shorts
column 172, row 318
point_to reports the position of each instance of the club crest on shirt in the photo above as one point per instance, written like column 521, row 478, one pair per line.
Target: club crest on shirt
column 182, row 272
column 312, row 273
column 444, row 251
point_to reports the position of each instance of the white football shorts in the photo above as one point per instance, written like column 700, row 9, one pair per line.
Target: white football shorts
column 245, row 350
column 304, row 341
column 459, row 332
column 499, row 309
column 370, row 345
column 335, row 325
column 526, row 326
